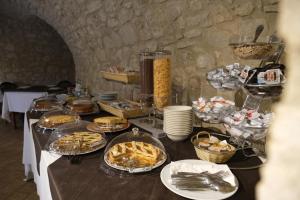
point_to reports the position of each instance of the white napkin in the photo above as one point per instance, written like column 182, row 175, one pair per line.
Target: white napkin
column 182, row 166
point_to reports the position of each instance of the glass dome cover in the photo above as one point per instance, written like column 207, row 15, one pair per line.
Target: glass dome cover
column 135, row 152
column 82, row 106
column 74, row 139
column 54, row 118
column 46, row 103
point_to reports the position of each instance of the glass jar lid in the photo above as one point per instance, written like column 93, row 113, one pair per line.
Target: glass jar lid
column 74, row 139
column 135, row 151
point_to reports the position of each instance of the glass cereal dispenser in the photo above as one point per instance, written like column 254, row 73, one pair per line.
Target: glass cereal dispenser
column 146, row 71
column 162, row 78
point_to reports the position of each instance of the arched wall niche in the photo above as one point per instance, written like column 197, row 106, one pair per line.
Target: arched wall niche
column 32, row 52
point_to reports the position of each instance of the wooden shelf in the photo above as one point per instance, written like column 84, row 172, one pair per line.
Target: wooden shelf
column 121, row 77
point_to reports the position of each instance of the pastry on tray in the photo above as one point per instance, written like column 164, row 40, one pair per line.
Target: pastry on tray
column 108, row 124
column 81, row 106
column 110, row 120
column 77, row 142
column 134, row 154
column 45, row 104
column 56, row 120
column 214, row 144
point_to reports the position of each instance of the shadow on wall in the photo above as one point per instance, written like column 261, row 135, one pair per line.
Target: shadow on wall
column 32, row 52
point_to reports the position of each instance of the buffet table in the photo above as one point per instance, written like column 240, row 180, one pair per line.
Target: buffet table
column 57, row 178
column 19, row 99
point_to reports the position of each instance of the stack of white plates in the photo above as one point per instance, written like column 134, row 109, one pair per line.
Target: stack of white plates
column 178, row 123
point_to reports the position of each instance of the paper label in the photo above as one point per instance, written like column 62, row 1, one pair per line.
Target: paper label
column 269, row 77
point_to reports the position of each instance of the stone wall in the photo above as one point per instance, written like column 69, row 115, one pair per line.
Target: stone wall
column 32, row 52
column 109, row 32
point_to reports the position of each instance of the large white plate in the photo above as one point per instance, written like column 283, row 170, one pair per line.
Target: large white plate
column 165, row 177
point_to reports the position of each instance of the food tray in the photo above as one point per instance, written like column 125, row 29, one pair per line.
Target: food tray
column 128, row 78
column 52, row 101
column 121, row 113
column 95, row 110
column 107, row 129
column 136, row 170
column 68, row 153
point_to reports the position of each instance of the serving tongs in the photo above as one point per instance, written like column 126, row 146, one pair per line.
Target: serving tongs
column 258, row 31
column 202, row 181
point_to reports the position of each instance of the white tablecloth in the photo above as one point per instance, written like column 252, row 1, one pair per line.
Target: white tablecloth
column 18, row 102
column 30, row 165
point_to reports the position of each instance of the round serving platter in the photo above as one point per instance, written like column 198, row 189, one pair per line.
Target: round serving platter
column 100, row 146
column 136, row 170
column 94, row 127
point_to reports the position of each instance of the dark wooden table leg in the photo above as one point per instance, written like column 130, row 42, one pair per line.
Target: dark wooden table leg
column 13, row 119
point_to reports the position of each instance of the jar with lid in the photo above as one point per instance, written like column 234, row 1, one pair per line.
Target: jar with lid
column 162, row 78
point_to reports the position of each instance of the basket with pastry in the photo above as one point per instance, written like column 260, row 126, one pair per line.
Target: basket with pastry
column 211, row 149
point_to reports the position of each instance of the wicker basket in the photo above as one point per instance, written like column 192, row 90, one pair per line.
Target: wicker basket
column 211, row 156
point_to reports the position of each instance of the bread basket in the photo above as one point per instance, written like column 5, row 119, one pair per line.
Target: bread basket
column 208, row 155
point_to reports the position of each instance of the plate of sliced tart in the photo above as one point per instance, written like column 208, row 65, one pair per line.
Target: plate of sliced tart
column 108, row 124
column 77, row 143
column 134, row 156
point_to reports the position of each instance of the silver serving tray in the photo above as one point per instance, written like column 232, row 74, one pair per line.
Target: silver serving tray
column 95, row 111
column 66, row 153
column 113, row 130
column 136, row 170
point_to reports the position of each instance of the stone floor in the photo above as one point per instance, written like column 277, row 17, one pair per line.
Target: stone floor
column 12, row 186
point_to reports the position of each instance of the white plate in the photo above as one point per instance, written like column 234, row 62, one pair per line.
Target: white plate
column 177, row 114
column 24, row 87
column 178, row 117
column 178, row 130
column 165, row 177
column 181, row 128
column 178, row 121
column 178, row 108
column 54, row 88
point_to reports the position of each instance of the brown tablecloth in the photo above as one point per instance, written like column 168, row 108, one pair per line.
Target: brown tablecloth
column 93, row 179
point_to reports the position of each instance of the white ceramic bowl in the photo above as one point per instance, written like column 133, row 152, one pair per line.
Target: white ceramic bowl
column 177, row 138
